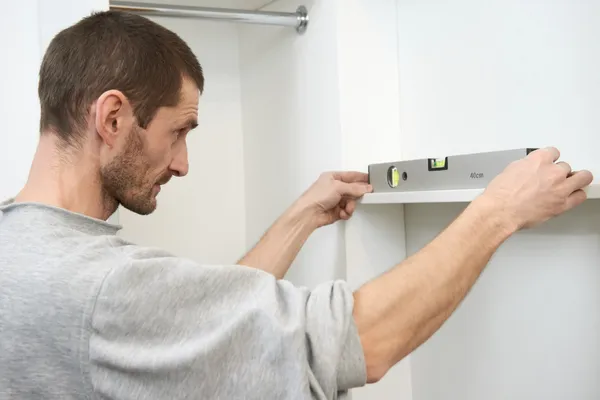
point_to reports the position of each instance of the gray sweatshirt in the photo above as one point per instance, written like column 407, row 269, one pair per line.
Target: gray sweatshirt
column 87, row 315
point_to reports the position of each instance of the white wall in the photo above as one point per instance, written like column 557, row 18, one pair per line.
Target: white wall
column 489, row 75
column 480, row 75
column 26, row 28
column 530, row 328
column 201, row 216
column 19, row 106
column 292, row 129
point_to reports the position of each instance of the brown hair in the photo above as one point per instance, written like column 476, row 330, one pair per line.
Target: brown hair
column 112, row 50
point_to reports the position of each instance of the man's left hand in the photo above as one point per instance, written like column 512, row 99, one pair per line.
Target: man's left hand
column 333, row 196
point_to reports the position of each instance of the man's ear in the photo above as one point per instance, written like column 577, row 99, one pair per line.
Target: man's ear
column 114, row 116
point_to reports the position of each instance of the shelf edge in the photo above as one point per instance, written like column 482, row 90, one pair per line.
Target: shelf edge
column 442, row 196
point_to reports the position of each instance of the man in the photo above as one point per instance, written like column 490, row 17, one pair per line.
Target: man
column 84, row 314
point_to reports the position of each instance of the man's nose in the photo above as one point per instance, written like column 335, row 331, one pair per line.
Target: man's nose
column 180, row 165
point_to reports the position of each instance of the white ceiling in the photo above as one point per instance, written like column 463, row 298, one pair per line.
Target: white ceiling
column 239, row 4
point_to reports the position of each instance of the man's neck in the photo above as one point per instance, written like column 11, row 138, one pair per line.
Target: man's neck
column 67, row 179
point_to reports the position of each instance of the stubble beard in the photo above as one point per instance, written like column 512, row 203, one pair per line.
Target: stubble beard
column 124, row 181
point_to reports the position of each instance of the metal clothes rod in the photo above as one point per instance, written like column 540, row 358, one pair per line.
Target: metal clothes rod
column 298, row 20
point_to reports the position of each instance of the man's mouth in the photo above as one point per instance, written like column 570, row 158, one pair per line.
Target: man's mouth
column 158, row 185
column 164, row 181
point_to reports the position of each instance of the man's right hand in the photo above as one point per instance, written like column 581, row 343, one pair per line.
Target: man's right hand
column 532, row 190
column 399, row 310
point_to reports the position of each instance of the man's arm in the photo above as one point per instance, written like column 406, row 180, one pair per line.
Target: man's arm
column 279, row 246
column 331, row 198
column 401, row 309
column 398, row 311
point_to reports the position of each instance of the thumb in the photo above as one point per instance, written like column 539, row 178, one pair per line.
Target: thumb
column 354, row 190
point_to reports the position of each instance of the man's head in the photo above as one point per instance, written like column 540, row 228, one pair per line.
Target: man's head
column 128, row 88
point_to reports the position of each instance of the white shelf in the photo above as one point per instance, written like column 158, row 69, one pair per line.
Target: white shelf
column 442, row 196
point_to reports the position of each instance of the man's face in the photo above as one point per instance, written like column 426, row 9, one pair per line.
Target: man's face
column 148, row 158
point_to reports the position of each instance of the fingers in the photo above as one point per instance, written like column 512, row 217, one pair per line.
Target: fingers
column 578, row 181
column 340, row 213
column 347, row 210
column 576, row 198
column 350, row 207
column 343, row 202
column 547, row 154
column 353, row 190
column 344, row 215
column 351, row 176
column 566, row 167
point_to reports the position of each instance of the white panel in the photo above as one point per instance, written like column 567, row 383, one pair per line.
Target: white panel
column 19, row 106
column 486, row 75
column 375, row 242
column 530, row 328
column 368, row 76
column 291, row 129
column 201, row 216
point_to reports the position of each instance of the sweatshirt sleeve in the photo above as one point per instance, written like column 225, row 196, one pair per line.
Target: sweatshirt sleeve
column 167, row 328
